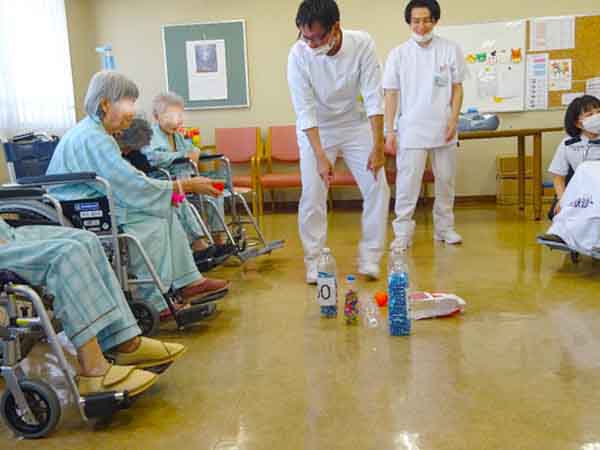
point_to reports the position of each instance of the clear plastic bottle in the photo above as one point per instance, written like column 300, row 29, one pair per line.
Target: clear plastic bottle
column 398, row 301
column 351, row 304
column 327, row 284
column 369, row 312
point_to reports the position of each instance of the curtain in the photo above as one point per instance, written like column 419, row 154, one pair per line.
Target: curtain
column 36, row 82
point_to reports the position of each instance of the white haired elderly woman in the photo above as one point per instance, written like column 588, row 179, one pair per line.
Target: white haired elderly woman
column 168, row 144
column 144, row 206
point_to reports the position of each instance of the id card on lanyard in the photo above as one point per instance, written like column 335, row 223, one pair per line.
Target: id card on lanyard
column 441, row 77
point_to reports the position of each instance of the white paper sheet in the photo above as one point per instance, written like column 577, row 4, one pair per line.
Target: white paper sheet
column 537, row 82
column 207, row 70
column 567, row 98
column 509, row 86
column 592, row 87
column 560, row 74
column 552, row 33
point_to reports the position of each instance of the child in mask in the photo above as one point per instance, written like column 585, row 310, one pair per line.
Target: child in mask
column 582, row 124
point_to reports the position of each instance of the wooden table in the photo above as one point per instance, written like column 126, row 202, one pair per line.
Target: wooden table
column 521, row 134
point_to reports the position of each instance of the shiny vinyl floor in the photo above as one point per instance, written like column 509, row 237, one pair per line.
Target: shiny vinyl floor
column 520, row 370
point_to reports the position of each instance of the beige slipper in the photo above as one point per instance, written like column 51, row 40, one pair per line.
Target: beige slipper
column 118, row 379
column 150, row 353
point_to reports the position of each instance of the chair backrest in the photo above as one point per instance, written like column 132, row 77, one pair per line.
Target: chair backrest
column 282, row 144
column 29, row 158
column 238, row 144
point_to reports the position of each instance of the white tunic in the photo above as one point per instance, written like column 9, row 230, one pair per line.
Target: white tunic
column 424, row 77
column 325, row 90
column 572, row 152
column 578, row 222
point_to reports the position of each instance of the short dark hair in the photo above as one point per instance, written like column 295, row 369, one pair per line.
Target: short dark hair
column 325, row 12
column 432, row 5
column 137, row 136
column 577, row 107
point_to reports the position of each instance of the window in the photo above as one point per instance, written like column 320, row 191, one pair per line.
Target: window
column 36, row 83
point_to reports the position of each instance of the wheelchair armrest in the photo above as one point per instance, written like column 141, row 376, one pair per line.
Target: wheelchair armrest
column 66, row 178
column 205, row 158
column 14, row 193
column 182, row 160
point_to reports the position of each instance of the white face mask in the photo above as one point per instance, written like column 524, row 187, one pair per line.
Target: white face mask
column 592, row 124
column 422, row 38
column 324, row 49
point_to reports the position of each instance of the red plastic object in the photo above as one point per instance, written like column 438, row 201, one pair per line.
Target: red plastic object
column 219, row 186
column 382, row 299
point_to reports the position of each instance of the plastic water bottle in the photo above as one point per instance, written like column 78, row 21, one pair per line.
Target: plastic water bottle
column 369, row 312
column 398, row 302
column 351, row 304
column 327, row 284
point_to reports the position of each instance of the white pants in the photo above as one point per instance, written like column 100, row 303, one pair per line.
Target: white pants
column 410, row 164
column 355, row 148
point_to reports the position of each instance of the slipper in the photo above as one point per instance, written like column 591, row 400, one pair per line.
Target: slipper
column 150, row 353
column 117, row 379
column 208, row 287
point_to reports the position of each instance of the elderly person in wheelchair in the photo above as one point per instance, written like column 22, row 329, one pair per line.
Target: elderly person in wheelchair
column 131, row 141
column 145, row 208
column 168, row 145
column 73, row 268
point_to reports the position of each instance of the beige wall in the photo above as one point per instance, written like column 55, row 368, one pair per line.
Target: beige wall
column 134, row 29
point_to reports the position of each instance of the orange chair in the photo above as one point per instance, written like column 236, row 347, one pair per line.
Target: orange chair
column 242, row 146
column 390, row 171
column 282, row 147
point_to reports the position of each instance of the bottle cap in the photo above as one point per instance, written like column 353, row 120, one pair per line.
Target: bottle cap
column 351, row 278
column 326, row 250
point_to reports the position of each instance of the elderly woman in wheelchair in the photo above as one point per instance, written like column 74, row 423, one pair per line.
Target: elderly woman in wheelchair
column 132, row 141
column 145, row 207
column 168, row 145
column 88, row 301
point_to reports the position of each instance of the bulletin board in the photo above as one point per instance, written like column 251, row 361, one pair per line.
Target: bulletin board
column 585, row 57
column 496, row 63
column 207, row 64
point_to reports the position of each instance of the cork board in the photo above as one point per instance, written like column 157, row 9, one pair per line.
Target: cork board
column 585, row 60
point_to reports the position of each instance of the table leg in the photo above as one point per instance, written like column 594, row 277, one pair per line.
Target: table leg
column 521, row 172
column 537, row 175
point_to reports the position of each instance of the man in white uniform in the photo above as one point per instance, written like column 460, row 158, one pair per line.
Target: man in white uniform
column 424, row 78
column 328, row 69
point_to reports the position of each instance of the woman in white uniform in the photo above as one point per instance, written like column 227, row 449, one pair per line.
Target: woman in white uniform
column 423, row 77
column 328, row 69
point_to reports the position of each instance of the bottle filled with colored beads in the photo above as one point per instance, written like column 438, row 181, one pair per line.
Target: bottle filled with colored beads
column 327, row 284
column 351, row 304
column 398, row 300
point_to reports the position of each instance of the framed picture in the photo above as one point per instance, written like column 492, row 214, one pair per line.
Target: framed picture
column 207, row 64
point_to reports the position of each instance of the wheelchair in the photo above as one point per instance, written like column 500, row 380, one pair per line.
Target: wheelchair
column 29, row 406
column 244, row 246
column 35, row 206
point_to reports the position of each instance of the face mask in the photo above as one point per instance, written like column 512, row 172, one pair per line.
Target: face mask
column 422, row 38
column 592, row 124
column 324, row 49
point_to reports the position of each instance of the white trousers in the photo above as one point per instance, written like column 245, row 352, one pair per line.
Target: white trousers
column 355, row 147
column 410, row 166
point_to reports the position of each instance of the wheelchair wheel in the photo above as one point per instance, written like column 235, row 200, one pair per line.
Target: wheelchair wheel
column 44, row 405
column 147, row 317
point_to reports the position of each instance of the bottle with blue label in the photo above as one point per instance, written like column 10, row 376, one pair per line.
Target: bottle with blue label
column 398, row 301
column 327, row 284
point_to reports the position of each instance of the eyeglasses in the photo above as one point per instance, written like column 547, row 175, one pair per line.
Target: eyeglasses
column 424, row 21
column 319, row 40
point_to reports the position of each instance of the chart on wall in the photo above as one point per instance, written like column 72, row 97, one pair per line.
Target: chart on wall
column 496, row 62
column 206, row 64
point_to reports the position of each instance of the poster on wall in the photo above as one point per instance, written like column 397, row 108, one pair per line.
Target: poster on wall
column 537, row 81
column 207, row 70
column 561, row 74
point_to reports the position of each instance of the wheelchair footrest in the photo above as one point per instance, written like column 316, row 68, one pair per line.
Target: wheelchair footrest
column 105, row 404
column 194, row 314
